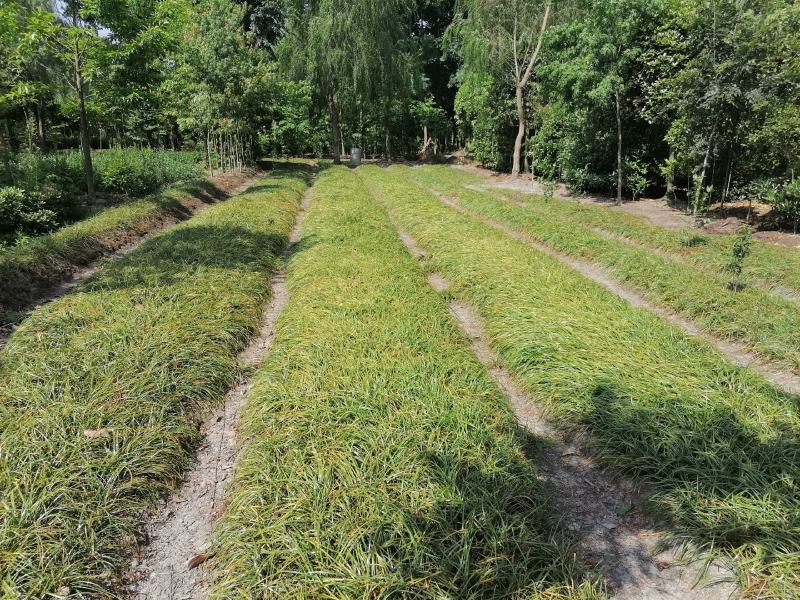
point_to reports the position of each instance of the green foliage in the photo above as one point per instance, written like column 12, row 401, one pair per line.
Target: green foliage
column 381, row 460
column 636, row 177
column 740, row 250
column 786, row 204
column 23, row 213
column 137, row 354
column 713, row 444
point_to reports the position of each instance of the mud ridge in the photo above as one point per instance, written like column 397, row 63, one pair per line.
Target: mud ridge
column 115, row 246
column 739, row 354
column 598, row 510
column 180, row 534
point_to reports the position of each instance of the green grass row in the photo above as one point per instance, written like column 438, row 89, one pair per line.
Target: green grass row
column 768, row 324
column 768, row 264
column 101, row 391
column 381, row 458
column 718, row 448
column 42, row 261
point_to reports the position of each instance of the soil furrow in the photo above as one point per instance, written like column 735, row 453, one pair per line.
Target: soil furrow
column 180, row 535
column 132, row 240
column 599, row 511
column 739, row 354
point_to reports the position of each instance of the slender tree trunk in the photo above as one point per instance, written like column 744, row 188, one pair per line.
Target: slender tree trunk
column 619, row 148
column 5, row 151
column 699, row 187
column 41, row 140
column 336, row 131
column 515, row 168
column 670, row 193
column 86, row 147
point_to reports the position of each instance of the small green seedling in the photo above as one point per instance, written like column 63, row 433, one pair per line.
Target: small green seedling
column 742, row 245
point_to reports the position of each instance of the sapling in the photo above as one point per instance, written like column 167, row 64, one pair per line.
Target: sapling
column 548, row 189
column 740, row 250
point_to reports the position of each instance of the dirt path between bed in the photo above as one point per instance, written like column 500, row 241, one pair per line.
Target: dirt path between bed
column 124, row 242
column 622, row 547
column 739, row 354
column 179, row 536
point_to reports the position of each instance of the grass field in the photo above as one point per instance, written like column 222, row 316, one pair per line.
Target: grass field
column 766, row 323
column 101, row 391
column 28, row 269
column 714, row 443
column 769, row 265
column 381, row 459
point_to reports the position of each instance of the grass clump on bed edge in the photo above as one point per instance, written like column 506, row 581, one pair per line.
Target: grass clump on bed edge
column 717, row 447
column 769, row 325
column 381, row 459
column 101, row 391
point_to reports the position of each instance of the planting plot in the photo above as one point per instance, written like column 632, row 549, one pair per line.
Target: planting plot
column 101, row 391
column 715, row 444
column 766, row 323
column 380, row 457
column 769, row 265
column 31, row 270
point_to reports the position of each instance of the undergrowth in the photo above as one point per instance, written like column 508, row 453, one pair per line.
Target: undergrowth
column 381, row 459
column 767, row 324
column 101, row 392
column 716, row 446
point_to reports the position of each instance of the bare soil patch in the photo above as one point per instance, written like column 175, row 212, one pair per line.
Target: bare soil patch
column 179, row 536
column 600, row 511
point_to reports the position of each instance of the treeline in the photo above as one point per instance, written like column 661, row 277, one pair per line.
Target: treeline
column 696, row 97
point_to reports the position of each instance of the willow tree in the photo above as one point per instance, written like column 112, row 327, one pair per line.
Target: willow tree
column 505, row 36
column 350, row 52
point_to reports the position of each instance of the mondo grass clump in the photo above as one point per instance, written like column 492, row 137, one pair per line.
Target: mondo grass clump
column 768, row 324
column 717, row 448
column 381, row 460
column 31, row 268
column 101, row 392
column 768, row 265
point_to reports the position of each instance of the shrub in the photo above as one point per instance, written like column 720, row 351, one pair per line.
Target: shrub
column 786, row 204
column 24, row 213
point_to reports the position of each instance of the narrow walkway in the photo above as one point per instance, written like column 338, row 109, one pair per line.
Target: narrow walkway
column 181, row 533
column 80, row 275
column 621, row 546
column 739, row 354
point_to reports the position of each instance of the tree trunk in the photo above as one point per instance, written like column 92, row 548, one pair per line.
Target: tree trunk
column 670, row 193
column 86, row 147
column 5, row 151
column 336, row 131
column 520, row 132
column 699, row 187
column 619, row 148
column 41, row 140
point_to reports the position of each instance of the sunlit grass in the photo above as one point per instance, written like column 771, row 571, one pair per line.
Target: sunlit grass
column 46, row 259
column 768, row 324
column 101, row 391
column 718, row 448
column 380, row 458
